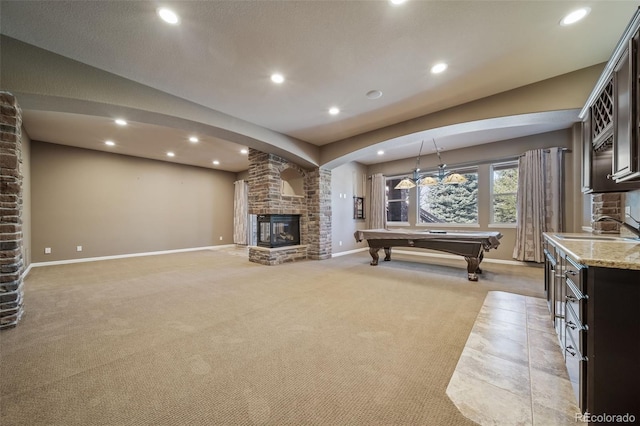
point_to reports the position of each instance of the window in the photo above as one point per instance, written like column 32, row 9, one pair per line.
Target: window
column 397, row 201
column 450, row 203
column 504, row 187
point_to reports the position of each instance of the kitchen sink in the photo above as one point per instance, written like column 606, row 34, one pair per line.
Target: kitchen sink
column 597, row 238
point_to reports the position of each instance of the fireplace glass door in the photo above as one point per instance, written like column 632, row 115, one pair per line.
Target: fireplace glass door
column 278, row 230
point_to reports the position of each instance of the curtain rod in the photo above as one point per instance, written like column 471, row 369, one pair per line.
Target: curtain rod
column 548, row 150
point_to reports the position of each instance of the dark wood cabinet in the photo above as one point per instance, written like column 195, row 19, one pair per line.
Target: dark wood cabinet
column 597, row 171
column 611, row 120
column 613, row 343
column 587, row 152
column 596, row 315
column 625, row 136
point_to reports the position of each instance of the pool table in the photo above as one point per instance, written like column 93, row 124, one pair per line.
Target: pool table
column 470, row 245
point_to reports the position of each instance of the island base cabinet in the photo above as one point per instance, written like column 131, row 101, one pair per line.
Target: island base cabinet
column 613, row 346
column 596, row 313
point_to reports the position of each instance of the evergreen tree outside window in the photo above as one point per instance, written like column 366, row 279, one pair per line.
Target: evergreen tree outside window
column 397, row 201
column 450, row 203
column 504, row 188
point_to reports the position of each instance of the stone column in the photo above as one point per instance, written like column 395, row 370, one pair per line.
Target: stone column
column 319, row 213
column 607, row 204
column 11, row 245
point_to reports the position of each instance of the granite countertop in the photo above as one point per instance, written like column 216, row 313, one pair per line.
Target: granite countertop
column 605, row 251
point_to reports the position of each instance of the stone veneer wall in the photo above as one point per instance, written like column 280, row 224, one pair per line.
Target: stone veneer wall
column 314, row 207
column 607, row 204
column 11, row 244
column 319, row 207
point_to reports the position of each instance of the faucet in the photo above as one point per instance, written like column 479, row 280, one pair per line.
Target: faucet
column 631, row 228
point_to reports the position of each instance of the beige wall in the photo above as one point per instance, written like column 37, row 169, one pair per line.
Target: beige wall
column 347, row 181
column 112, row 204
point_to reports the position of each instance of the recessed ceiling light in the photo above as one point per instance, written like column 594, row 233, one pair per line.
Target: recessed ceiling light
column 168, row 16
column 216, row 162
column 110, row 143
column 277, row 78
column 121, row 122
column 397, row 2
column 374, row 94
column 438, row 68
column 381, row 152
column 244, row 151
column 193, row 139
column 575, row 16
column 334, row 110
column 171, row 154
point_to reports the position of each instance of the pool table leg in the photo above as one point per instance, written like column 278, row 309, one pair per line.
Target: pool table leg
column 373, row 251
column 473, row 267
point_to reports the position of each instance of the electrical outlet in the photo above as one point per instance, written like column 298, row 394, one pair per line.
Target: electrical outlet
column 340, row 243
column 220, row 237
column 78, row 248
column 47, row 250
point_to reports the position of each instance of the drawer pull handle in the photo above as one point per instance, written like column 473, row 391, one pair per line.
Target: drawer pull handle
column 570, row 272
column 571, row 351
column 570, row 298
column 572, row 325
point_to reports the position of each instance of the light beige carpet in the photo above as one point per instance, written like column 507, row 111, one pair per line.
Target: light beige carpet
column 208, row 338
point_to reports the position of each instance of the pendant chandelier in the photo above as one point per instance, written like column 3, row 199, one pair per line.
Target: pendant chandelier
column 442, row 176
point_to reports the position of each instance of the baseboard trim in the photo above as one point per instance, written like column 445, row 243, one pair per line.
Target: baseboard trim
column 344, row 253
column 26, row 271
column 122, row 256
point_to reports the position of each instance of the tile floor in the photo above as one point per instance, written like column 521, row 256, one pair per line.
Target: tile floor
column 511, row 371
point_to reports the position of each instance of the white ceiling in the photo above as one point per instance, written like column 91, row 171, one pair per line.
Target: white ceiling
column 331, row 53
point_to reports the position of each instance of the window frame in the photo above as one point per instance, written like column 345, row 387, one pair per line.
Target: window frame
column 387, row 201
column 503, row 165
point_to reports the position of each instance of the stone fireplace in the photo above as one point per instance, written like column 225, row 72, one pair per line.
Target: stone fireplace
column 279, row 191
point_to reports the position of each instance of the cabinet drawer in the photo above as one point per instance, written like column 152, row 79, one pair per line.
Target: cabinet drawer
column 577, row 369
column 576, row 300
column 575, row 331
column 575, row 273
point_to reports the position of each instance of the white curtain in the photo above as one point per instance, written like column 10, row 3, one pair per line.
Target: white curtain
column 539, row 201
column 240, row 213
column 378, row 208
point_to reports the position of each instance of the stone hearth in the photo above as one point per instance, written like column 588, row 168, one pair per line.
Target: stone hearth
column 277, row 255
